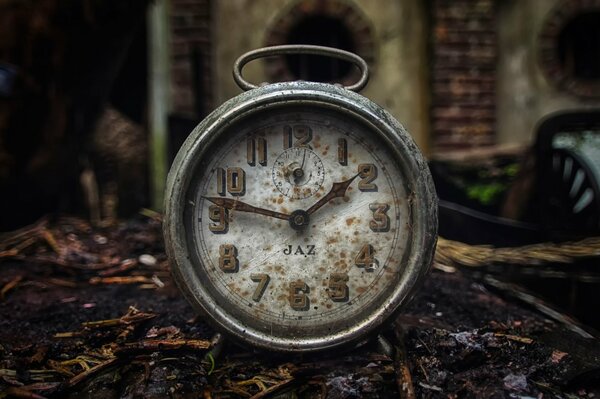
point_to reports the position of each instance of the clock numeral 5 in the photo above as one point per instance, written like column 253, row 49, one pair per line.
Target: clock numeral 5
column 263, row 280
column 228, row 261
column 302, row 134
column 338, row 290
column 234, row 179
column 220, row 216
column 366, row 258
column 298, row 298
column 254, row 145
column 381, row 221
column 367, row 173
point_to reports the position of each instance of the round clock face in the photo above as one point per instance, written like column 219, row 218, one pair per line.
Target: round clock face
column 299, row 226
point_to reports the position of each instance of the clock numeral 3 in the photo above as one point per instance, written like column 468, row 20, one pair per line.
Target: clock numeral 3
column 254, row 146
column 302, row 134
column 368, row 174
column 234, row 179
column 263, row 280
column 220, row 216
column 366, row 258
column 228, row 261
column 298, row 298
column 381, row 221
column 338, row 290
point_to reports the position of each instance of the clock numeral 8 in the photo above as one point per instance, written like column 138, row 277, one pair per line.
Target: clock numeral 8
column 298, row 298
column 381, row 221
column 234, row 179
column 228, row 261
column 338, row 290
column 220, row 216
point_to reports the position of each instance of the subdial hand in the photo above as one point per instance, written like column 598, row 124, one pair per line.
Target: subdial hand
column 337, row 190
column 237, row 205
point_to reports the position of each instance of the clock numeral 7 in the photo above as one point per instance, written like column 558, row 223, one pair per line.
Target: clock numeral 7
column 220, row 216
column 254, row 146
column 366, row 258
column 368, row 174
column 381, row 221
column 228, row 261
column 338, row 290
column 234, row 179
column 298, row 298
column 302, row 134
column 263, row 280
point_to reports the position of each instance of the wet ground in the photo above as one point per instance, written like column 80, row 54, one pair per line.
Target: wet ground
column 93, row 313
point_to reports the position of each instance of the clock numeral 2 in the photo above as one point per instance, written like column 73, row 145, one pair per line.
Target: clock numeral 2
column 302, row 134
column 338, row 290
column 228, row 261
column 298, row 298
column 367, row 173
column 263, row 280
column 381, row 221
column 254, row 146
column 220, row 216
column 343, row 152
column 366, row 258
column 234, row 179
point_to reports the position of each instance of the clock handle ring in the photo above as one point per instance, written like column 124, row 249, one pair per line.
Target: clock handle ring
column 300, row 49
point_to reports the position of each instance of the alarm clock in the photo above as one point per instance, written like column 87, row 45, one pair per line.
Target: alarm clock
column 299, row 216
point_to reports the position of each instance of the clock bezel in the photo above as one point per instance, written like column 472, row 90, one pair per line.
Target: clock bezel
column 345, row 102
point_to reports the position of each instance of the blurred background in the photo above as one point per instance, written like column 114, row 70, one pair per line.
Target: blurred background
column 502, row 96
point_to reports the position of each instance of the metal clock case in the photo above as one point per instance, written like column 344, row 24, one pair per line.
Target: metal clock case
column 300, row 216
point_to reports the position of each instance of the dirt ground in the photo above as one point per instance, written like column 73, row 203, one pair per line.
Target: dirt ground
column 93, row 313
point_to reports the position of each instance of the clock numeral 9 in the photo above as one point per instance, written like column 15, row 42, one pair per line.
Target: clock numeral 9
column 367, row 173
column 302, row 134
column 234, row 179
column 381, row 221
column 338, row 290
column 366, row 258
column 254, row 145
column 263, row 280
column 298, row 298
column 220, row 216
column 228, row 261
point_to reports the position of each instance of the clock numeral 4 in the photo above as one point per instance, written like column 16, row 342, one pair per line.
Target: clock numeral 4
column 381, row 221
column 263, row 280
column 220, row 216
column 343, row 152
column 368, row 174
column 234, row 179
column 298, row 298
column 301, row 133
column 228, row 261
column 338, row 290
column 256, row 148
column 366, row 258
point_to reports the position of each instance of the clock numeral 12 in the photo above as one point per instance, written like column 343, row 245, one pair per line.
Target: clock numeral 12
column 302, row 134
column 234, row 179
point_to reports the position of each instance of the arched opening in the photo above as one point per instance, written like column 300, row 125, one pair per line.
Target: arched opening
column 579, row 46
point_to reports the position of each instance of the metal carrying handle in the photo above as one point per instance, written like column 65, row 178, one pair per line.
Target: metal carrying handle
column 300, row 49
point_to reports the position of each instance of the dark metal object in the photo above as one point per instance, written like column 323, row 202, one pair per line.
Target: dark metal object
column 300, row 49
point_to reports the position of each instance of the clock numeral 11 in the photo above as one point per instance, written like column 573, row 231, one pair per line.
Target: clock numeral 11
column 234, row 179
column 256, row 146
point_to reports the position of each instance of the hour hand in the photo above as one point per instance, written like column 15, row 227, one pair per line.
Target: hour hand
column 237, row 205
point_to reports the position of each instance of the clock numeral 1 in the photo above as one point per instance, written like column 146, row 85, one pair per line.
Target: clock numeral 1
column 338, row 290
column 220, row 216
column 302, row 134
column 381, row 221
column 367, row 173
column 263, row 280
column 228, row 261
column 298, row 298
column 254, row 145
column 343, row 152
column 366, row 258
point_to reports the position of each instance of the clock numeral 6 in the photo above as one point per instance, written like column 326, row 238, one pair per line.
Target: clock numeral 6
column 338, row 290
column 298, row 298
column 366, row 258
column 302, row 134
column 381, row 221
column 220, row 216
column 234, row 179
column 254, row 145
column 367, row 173
column 263, row 280
column 228, row 261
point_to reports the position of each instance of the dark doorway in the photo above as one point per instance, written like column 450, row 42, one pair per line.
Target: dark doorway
column 579, row 47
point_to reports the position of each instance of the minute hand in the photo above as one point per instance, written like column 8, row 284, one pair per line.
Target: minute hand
column 337, row 190
column 243, row 207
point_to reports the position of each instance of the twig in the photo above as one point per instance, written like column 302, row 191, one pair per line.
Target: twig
column 86, row 374
column 277, row 387
column 403, row 376
column 9, row 286
column 155, row 345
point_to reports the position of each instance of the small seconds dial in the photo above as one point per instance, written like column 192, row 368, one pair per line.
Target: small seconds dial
column 298, row 172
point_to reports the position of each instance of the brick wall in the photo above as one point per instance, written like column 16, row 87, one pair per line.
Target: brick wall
column 463, row 73
column 191, row 87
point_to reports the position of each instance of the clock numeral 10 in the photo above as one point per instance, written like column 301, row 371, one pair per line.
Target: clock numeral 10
column 234, row 179
column 302, row 134
column 220, row 216
column 366, row 258
column 298, row 298
column 228, row 261
column 381, row 221
column 254, row 146
column 343, row 152
column 338, row 290
column 367, row 173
